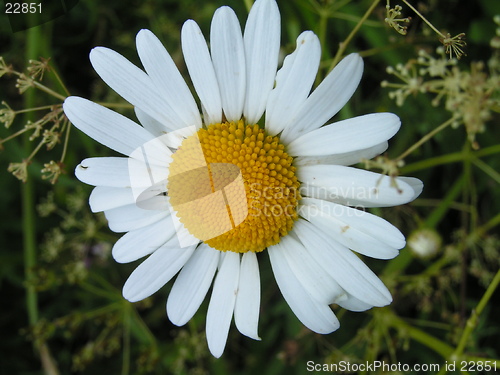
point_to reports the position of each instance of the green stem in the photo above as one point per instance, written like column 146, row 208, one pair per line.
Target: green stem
column 104, row 283
column 126, row 342
column 322, row 25
column 493, row 222
column 458, row 206
column 248, row 4
column 432, row 162
column 28, row 204
column 33, row 153
column 435, row 268
column 448, row 158
column 487, row 169
column 468, row 222
column 353, row 18
column 60, row 81
column 140, row 330
column 321, row 32
column 66, row 141
column 14, row 135
column 48, row 91
column 98, row 291
column 28, row 198
column 42, row 108
column 424, row 19
column 437, row 215
column 346, row 42
column 473, row 319
column 33, row 43
column 422, row 337
column 114, row 308
column 425, row 138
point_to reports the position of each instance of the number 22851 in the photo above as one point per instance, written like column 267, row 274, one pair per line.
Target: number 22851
column 23, row 8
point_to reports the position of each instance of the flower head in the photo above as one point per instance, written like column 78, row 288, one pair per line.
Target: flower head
column 454, row 45
column 7, row 115
column 393, row 18
column 204, row 195
column 4, row 68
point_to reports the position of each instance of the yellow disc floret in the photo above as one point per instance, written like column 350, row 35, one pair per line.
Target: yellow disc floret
column 233, row 187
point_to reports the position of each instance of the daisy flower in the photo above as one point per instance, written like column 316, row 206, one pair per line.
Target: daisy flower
column 204, row 194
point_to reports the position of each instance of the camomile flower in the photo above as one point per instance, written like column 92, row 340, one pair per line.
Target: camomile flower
column 204, row 189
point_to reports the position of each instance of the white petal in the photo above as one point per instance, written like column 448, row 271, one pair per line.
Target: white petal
column 347, row 269
column 192, row 284
column 247, row 307
column 293, row 82
column 149, row 123
column 118, row 172
column 221, row 260
column 360, row 231
column 146, row 179
column 352, row 186
column 155, row 271
column 166, row 77
column 201, row 70
column 221, row 307
column 130, row 217
column 108, row 171
column 228, row 56
column 349, row 135
column 154, row 153
column 105, row 198
column 183, row 236
column 353, row 304
column 172, row 139
column 105, row 126
column 348, row 158
column 262, row 44
column 327, row 99
column 143, row 241
column 415, row 184
column 153, row 197
column 133, row 85
column 316, row 316
column 320, row 285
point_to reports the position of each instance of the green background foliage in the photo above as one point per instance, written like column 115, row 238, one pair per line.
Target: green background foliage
column 62, row 309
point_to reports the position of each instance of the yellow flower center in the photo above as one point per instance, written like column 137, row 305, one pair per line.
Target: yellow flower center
column 233, row 187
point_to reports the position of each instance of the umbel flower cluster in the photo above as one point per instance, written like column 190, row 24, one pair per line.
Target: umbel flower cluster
column 49, row 130
column 471, row 96
column 259, row 169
